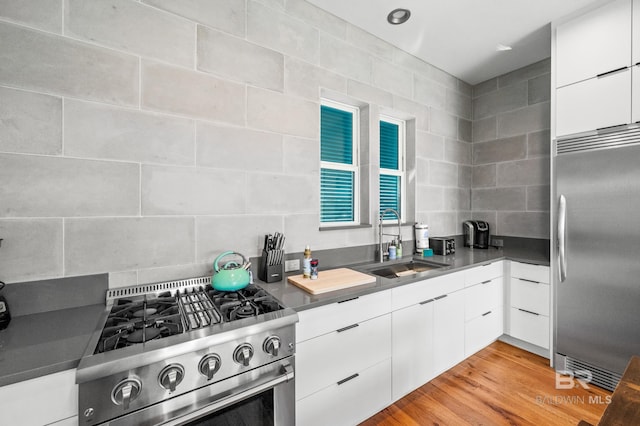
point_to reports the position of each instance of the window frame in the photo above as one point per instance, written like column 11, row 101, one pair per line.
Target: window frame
column 354, row 167
column 402, row 167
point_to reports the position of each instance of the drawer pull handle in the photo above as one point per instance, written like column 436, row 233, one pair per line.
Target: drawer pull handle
column 611, row 72
column 529, row 312
column 424, row 302
column 529, row 281
column 349, row 327
column 353, row 376
column 440, row 297
column 485, row 282
column 348, row 300
column 486, row 313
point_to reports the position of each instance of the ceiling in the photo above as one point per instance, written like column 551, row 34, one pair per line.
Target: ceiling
column 461, row 36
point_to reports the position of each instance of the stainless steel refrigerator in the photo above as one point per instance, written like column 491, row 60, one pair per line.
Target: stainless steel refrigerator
column 597, row 256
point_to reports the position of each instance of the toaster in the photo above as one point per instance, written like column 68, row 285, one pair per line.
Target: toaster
column 442, row 246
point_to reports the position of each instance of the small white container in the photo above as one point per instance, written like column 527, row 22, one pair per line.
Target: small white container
column 392, row 252
column 422, row 236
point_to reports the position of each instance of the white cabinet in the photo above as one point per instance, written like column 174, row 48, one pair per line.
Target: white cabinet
column 593, row 68
column 412, row 347
column 593, row 104
column 594, row 43
column 448, row 331
column 350, row 401
column 635, row 89
column 43, row 400
column 530, row 304
column 414, row 327
column 484, row 318
column 635, row 60
column 343, row 353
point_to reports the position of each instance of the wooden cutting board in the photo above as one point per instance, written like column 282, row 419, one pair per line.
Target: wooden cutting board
column 333, row 279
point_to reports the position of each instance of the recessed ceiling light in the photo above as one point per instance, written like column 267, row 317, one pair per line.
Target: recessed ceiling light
column 503, row 48
column 398, row 16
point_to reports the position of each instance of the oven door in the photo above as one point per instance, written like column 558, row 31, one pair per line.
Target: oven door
column 262, row 396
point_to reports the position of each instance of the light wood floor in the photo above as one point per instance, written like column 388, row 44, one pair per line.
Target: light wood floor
column 500, row 385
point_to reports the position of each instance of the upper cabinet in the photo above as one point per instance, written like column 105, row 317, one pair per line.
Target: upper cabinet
column 594, row 43
column 636, row 32
column 596, row 69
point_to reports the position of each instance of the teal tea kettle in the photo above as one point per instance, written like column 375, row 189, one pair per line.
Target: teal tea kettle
column 232, row 276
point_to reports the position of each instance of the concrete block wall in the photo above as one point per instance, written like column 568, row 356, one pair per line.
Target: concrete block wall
column 143, row 138
column 511, row 146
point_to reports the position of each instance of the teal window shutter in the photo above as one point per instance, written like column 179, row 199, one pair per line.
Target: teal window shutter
column 337, row 181
column 390, row 184
column 336, row 135
column 390, row 195
column 336, row 196
column 389, row 154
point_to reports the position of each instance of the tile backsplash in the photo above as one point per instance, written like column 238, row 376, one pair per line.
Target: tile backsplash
column 511, row 157
column 143, row 138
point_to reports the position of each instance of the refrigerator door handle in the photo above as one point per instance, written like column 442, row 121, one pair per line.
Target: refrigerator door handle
column 562, row 234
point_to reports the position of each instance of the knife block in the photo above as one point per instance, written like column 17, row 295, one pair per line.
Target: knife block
column 270, row 273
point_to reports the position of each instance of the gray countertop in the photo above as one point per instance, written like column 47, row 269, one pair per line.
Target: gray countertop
column 44, row 343
column 51, row 324
column 464, row 258
column 39, row 342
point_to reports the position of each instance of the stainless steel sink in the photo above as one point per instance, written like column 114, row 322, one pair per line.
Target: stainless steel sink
column 403, row 269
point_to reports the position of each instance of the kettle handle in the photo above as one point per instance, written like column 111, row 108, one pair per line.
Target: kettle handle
column 226, row 253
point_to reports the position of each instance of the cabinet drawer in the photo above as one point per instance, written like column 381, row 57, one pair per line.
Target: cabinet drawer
column 483, row 330
column 328, row 318
column 483, row 273
column 576, row 108
column 530, row 328
column 482, row 298
column 334, row 356
column 348, row 403
column 411, row 294
column 530, row 296
column 527, row 271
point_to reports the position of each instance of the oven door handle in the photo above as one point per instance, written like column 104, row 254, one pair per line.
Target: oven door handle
column 286, row 375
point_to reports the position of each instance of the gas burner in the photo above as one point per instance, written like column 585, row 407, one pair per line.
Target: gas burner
column 248, row 302
column 244, row 310
column 139, row 320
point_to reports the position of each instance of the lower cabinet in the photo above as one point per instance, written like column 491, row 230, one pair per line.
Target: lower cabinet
column 412, row 347
column 51, row 399
column 530, row 304
column 343, row 375
column 350, row 401
column 448, row 331
column 484, row 318
column 355, row 358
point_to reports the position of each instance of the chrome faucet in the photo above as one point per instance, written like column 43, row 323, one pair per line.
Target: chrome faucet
column 380, row 234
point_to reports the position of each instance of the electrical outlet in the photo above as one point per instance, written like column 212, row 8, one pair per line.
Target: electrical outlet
column 292, row 265
column 497, row 242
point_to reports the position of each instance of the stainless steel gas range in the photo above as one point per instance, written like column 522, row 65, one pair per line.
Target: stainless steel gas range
column 182, row 353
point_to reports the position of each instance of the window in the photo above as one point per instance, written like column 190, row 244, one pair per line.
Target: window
column 339, row 180
column 392, row 167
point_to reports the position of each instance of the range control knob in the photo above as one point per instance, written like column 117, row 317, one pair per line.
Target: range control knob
column 125, row 391
column 243, row 354
column 209, row 365
column 171, row 376
column 271, row 345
